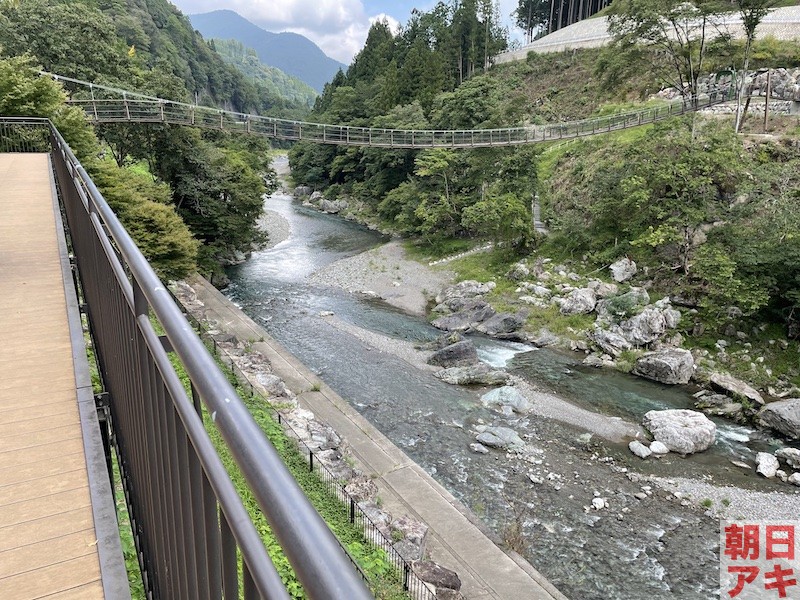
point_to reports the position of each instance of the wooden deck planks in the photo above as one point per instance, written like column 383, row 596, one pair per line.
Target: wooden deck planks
column 47, row 536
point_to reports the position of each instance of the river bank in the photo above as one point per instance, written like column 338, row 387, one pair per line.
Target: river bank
column 570, row 468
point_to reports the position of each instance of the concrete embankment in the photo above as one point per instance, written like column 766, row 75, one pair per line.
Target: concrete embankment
column 457, row 539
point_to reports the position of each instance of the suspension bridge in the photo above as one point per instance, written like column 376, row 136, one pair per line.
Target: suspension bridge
column 108, row 105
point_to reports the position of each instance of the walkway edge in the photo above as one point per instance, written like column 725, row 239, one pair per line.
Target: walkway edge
column 457, row 538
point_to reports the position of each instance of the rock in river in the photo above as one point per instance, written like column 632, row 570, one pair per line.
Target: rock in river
column 791, row 456
column 766, row 464
column 502, row 438
column 735, row 387
column 474, row 313
column 681, row 430
column 783, row 416
column 460, row 354
column 502, row 325
column 670, row 366
column 507, row 396
column 481, row 374
column 639, row 449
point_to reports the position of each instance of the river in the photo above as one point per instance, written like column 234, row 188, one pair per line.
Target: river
column 652, row 548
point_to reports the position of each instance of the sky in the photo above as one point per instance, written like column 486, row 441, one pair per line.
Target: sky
column 339, row 27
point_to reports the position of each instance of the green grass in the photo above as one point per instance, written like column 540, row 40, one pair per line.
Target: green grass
column 129, row 553
column 423, row 251
column 561, row 325
column 739, row 360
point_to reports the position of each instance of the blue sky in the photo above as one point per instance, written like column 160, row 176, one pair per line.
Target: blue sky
column 339, row 27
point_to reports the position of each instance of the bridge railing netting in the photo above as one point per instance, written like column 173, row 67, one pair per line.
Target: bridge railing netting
column 109, row 105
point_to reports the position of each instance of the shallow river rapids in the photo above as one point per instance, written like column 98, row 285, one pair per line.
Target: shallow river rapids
column 635, row 549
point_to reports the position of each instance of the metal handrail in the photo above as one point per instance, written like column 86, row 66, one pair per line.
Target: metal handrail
column 140, row 108
column 320, row 564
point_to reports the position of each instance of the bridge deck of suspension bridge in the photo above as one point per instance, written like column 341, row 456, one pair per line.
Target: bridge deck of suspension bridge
column 56, row 510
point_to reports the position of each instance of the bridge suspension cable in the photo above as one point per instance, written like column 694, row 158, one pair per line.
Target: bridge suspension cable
column 132, row 107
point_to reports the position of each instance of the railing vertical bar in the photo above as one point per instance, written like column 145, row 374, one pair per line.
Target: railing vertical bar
column 190, row 534
column 176, row 495
column 164, row 491
column 214, row 546
column 198, row 525
column 250, row 592
column 230, row 574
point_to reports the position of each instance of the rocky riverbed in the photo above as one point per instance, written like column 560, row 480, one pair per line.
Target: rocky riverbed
column 571, row 487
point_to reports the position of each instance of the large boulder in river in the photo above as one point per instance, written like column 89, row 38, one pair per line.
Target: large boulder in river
column 466, row 319
column 579, row 302
column 502, row 438
column 782, row 416
column 735, row 387
column 480, row 374
column 681, row 430
column 644, row 328
column 623, row 269
column 671, row 366
column 609, row 342
column 507, row 396
column 459, row 354
column 791, row 456
column 503, row 325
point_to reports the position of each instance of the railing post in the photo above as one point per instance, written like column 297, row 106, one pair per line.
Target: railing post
column 94, row 102
column 127, row 108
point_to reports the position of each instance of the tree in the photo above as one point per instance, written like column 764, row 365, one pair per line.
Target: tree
column 752, row 13
column 679, row 29
column 68, row 38
column 502, row 218
column 532, row 16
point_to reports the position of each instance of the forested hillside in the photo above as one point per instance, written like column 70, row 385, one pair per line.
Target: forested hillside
column 213, row 181
column 707, row 213
column 288, row 96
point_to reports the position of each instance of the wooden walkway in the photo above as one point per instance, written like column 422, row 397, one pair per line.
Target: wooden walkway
column 48, row 543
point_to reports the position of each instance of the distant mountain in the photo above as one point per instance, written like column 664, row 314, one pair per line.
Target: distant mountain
column 291, row 53
column 285, row 94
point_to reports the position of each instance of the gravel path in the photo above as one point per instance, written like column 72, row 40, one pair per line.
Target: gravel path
column 385, row 272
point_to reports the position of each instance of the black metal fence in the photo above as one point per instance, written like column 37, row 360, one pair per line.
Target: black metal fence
column 19, row 134
column 376, row 534
column 194, row 537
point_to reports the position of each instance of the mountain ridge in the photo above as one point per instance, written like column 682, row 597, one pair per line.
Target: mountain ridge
column 292, row 53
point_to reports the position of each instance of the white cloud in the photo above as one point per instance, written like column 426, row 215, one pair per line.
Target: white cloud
column 339, row 27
